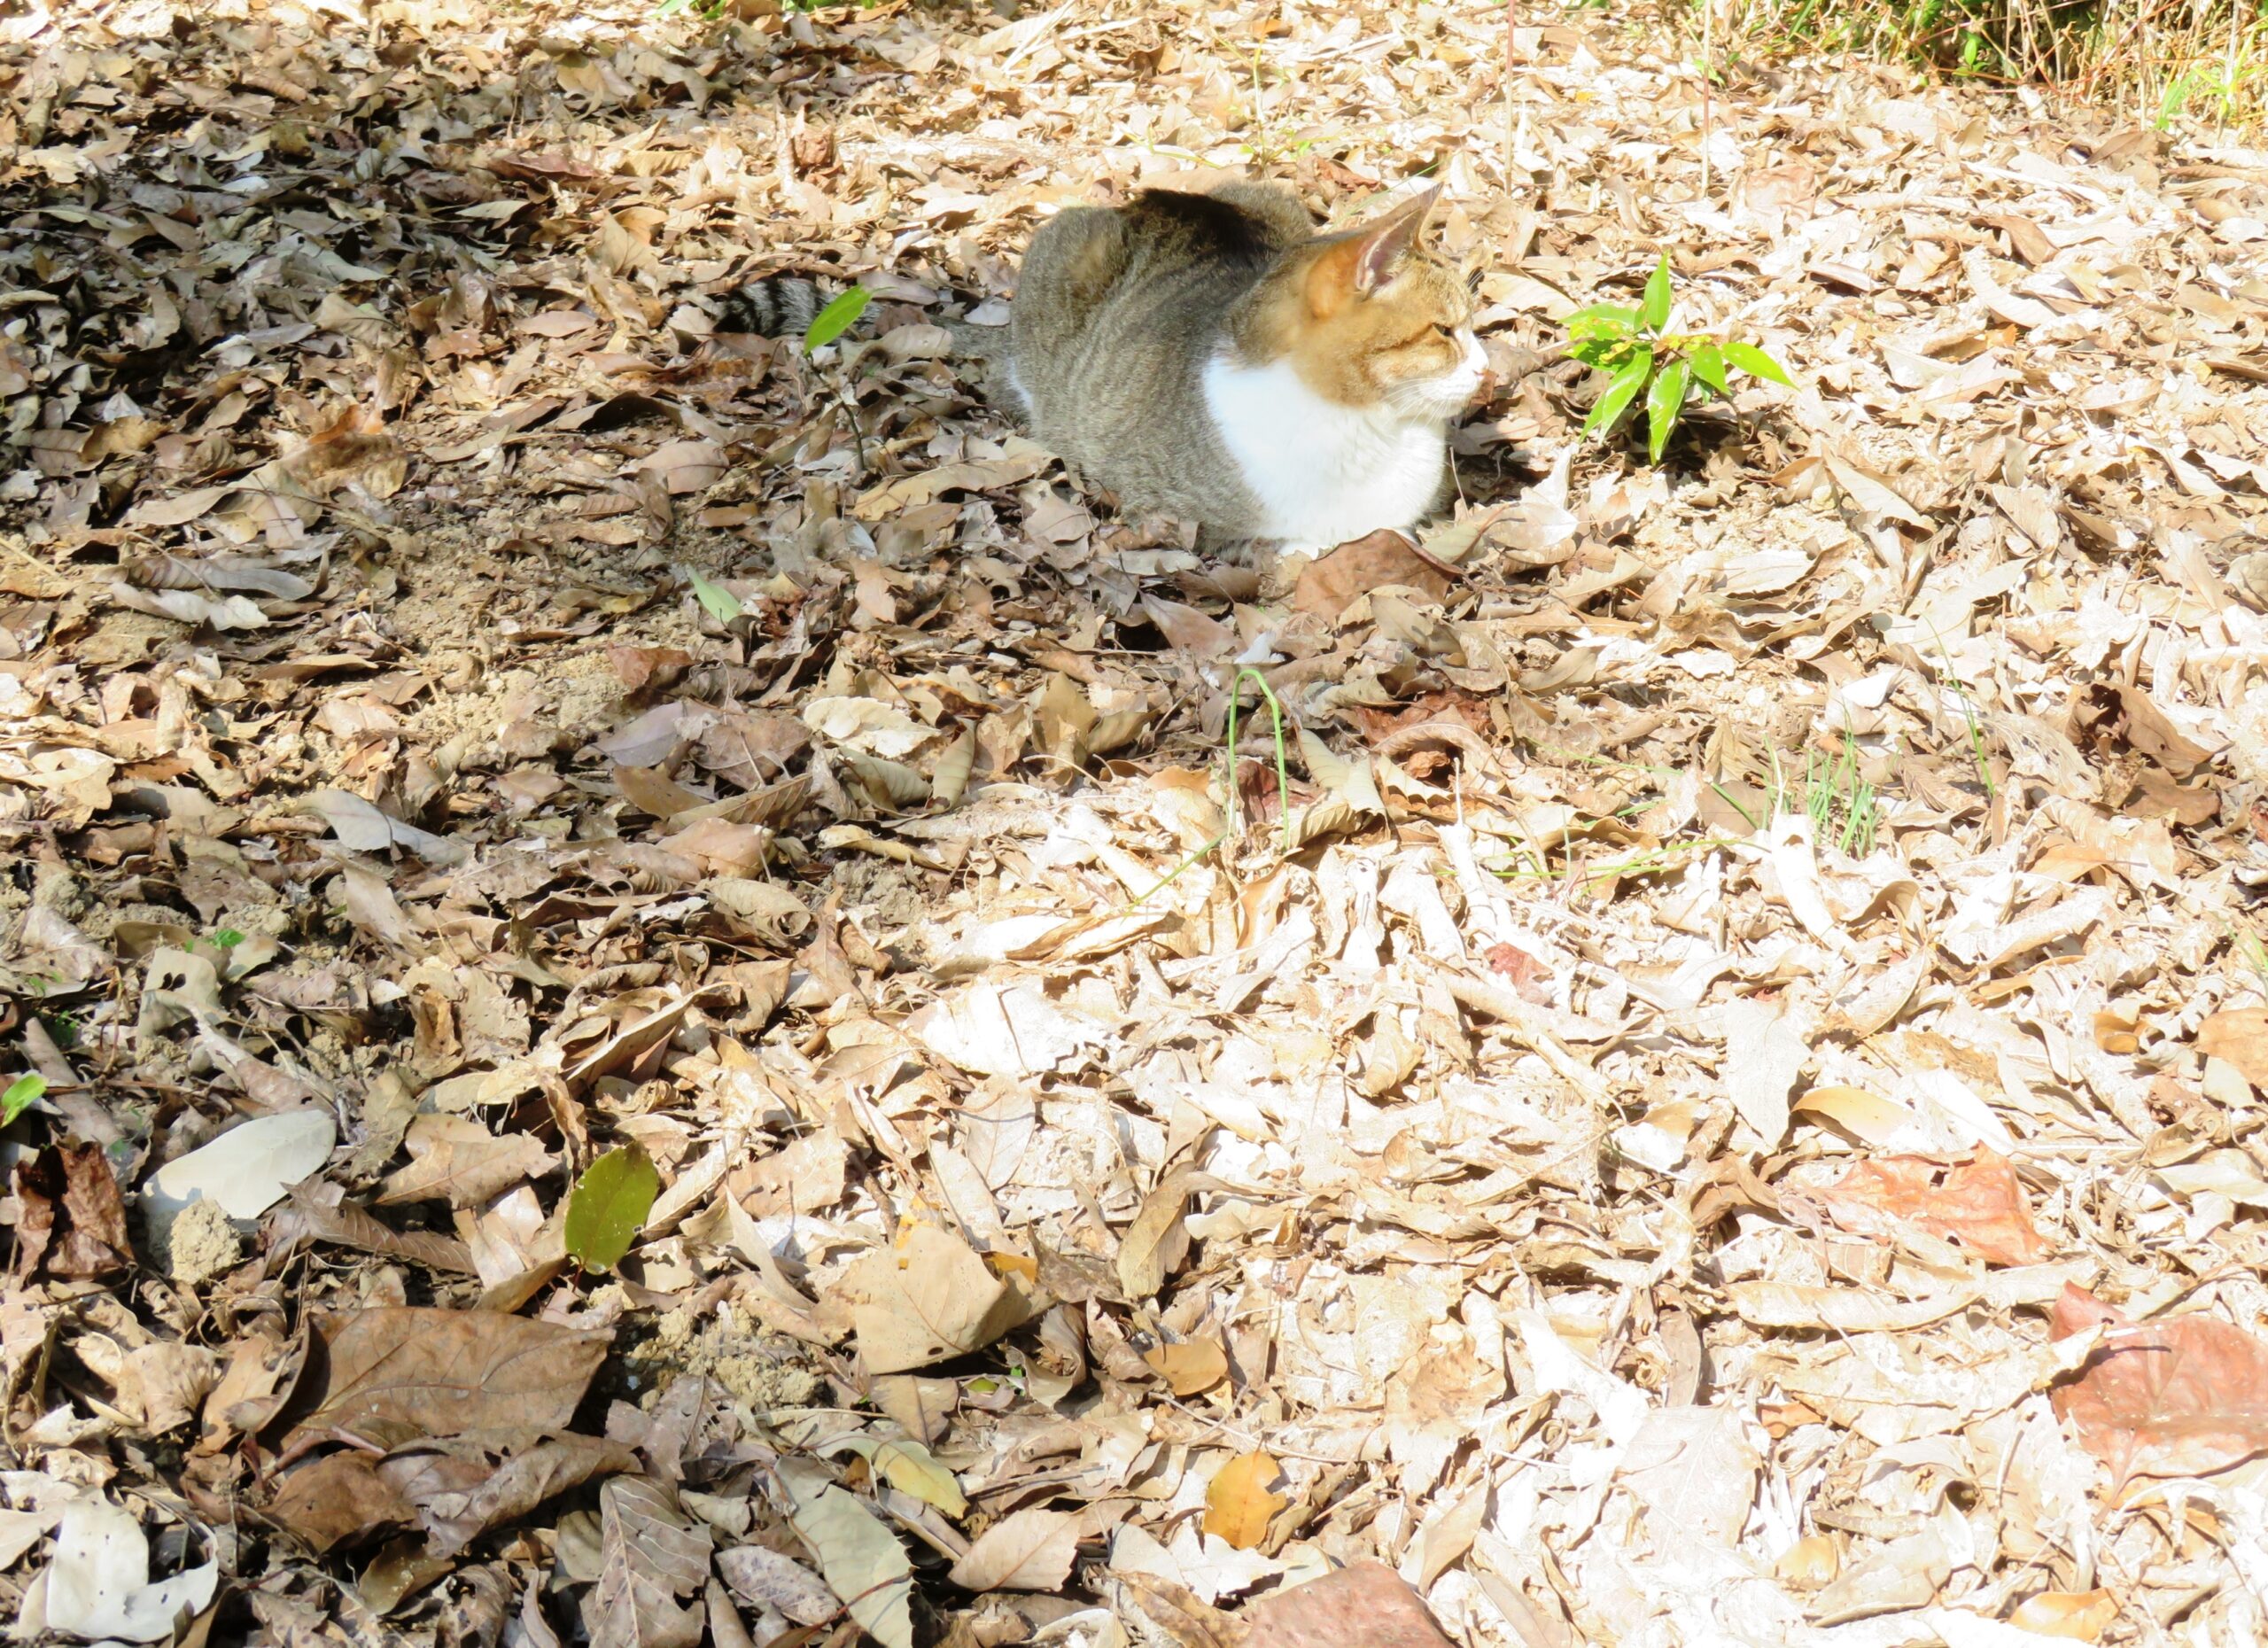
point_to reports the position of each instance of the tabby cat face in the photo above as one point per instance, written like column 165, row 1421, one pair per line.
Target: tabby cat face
column 1371, row 318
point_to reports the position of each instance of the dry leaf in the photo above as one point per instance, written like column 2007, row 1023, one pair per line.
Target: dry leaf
column 1977, row 1203
column 2182, row 1396
column 396, row 1373
column 1029, row 1550
column 927, row 1298
column 1240, row 1502
column 1189, row 1366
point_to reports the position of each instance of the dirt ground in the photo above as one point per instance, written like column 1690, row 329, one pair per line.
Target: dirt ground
column 649, row 1000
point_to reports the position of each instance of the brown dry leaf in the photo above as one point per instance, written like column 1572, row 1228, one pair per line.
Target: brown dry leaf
column 518, row 1486
column 1977, row 1203
column 1241, row 1500
column 70, row 1219
column 651, row 1557
column 1155, row 1244
column 685, row 466
column 927, row 1298
column 1365, row 1602
column 2184, row 1395
column 337, row 1499
column 2240, row 1036
column 399, row 1372
column 1854, row 769
column 455, row 1159
column 1029, row 1550
column 1329, row 584
column 1189, row 1366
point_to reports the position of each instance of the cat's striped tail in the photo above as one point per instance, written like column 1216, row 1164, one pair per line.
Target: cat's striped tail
column 773, row 306
column 784, row 306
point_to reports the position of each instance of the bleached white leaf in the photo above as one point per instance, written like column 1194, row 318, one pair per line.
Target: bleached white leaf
column 250, row 1168
column 98, row 1585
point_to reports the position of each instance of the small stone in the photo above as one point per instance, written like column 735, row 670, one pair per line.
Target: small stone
column 1368, row 1605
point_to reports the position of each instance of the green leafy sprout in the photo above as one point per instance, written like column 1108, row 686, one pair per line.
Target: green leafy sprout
column 837, row 318
column 1641, row 357
column 21, row 1095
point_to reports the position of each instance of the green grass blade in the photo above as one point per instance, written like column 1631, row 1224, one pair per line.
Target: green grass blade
column 22, row 1094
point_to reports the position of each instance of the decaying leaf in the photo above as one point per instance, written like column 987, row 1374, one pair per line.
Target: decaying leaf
column 652, row 1557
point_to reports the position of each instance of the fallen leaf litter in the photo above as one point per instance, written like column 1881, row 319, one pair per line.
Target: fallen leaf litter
column 1721, row 1103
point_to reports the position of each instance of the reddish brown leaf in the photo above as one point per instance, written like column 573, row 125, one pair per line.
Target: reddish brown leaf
column 1331, row 582
column 1367, row 1603
column 1977, row 1203
column 71, row 1224
column 2184, row 1396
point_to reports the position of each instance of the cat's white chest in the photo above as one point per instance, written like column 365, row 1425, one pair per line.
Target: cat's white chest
column 1324, row 473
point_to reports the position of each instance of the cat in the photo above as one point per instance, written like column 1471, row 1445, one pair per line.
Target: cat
column 1210, row 358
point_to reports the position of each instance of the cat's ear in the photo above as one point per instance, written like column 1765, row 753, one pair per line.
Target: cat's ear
column 1385, row 241
column 1363, row 262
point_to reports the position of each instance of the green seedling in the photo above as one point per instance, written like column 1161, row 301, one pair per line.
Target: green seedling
column 837, row 318
column 1644, row 359
column 21, row 1095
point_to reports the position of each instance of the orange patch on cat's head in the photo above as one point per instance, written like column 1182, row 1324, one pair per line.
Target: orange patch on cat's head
column 1363, row 315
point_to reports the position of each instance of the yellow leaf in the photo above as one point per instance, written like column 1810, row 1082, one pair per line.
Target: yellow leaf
column 1193, row 1365
column 1239, row 1504
column 911, row 1468
column 2081, row 1614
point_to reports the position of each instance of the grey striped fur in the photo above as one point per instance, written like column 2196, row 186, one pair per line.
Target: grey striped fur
column 772, row 306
